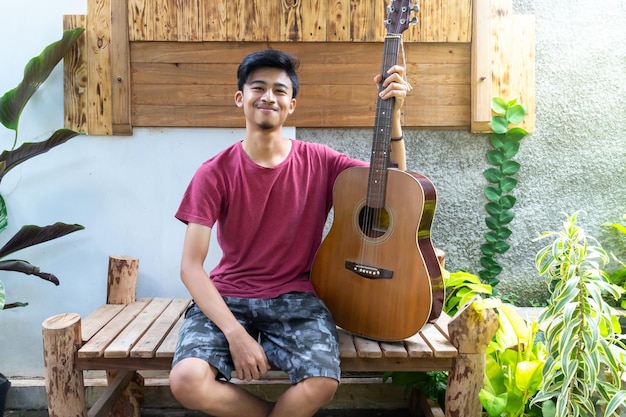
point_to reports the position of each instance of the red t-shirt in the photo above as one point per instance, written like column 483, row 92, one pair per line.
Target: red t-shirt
column 270, row 221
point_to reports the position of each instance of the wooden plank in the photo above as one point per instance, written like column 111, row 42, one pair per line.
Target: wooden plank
column 214, row 20
column 165, row 20
column 168, row 346
column 140, row 20
column 92, row 324
column 338, row 26
column 308, row 52
column 236, row 21
column 338, row 116
column 99, row 81
column 481, row 74
column 441, row 346
column 314, row 15
column 75, row 104
column 367, row 21
column 95, row 346
column 346, row 344
column 125, row 340
column 513, row 57
column 291, row 16
column 367, row 348
column 120, row 69
column 104, row 404
column 442, row 324
column 393, row 349
column 417, row 347
column 148, row 344
column 188, row 21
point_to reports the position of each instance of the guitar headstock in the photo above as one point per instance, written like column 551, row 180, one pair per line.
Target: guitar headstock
column 399, row 16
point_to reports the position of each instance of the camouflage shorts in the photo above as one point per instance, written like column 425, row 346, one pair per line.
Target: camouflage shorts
column 296, row 331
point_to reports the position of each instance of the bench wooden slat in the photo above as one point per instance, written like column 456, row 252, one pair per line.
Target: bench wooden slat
column 367, row 348
column 393, row 349
column 438, row 342
column 417, row 347
column 166, row 350
column 346, row 345
column 147, row 345
column 442, row 324
column 94, row 348
column 92, row 324
column 120, row 347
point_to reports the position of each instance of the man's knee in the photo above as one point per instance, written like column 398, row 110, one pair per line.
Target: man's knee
column 188, row 378
column 320, row 390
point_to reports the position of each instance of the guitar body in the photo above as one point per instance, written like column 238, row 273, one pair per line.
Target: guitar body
column 383, row 282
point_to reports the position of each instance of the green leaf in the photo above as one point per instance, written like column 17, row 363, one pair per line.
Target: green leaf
column 506, row 217
column 11, row 159
column 515, row 114
column 510, row 167
column 528, row 375
column 504, row 233
column 487, row 249
column 492, row 193
column 493, row 175
column 499, row 105
column 501, row 247
column 497, row 140
column 507, row 201
column 32, row 235
column 616, row 402
column 36, row 72
column 508, row 184
column 499, row 124
column 26, row 268
column 491, row 237
column 510, row 149
column 493, row 404
column 492, row 223
column 493, row 209
column 495, row 157
column 4, row 220
column 515, row 134
column 2, row 295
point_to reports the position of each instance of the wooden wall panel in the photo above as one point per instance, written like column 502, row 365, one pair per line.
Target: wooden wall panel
column 75, row 75
column 176, row 65
column 336, row 84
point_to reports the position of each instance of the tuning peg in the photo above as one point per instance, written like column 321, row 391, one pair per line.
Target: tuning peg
column 416, row 8
column 413, row 21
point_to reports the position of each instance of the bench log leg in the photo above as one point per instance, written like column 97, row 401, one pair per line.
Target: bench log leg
column 470, row 332
column 65, row 386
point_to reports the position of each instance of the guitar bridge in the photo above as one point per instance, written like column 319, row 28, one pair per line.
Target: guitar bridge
column 368, row 271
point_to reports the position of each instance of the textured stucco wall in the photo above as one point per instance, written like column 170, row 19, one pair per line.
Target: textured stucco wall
column 575, row 160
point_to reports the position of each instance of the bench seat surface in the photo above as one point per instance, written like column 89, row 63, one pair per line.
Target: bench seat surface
column 143, row 334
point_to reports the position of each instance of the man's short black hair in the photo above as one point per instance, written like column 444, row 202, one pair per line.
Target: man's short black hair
column 269, row 58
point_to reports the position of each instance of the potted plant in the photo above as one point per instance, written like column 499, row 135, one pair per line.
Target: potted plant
column 11, row 105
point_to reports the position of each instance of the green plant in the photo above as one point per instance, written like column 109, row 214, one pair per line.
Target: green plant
column 506, row 142
column 12, row 103
column 514, row 362
column 618, row 275
column 582, row 368
column 461, row 287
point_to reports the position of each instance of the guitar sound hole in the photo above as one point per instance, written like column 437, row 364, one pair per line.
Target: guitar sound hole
column 374, row 222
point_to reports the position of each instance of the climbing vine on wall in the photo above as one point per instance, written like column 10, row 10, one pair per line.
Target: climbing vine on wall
column 505, row 141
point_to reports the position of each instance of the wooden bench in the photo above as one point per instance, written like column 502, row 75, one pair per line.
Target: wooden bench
column 127, row 335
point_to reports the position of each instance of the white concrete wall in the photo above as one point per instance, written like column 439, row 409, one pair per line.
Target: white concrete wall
column 124, row 190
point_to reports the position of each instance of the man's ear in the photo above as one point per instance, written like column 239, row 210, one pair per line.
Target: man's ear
column 239, row 98
column 292, row 108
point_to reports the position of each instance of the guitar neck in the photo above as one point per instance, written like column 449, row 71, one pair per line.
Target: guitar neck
column 379, row 161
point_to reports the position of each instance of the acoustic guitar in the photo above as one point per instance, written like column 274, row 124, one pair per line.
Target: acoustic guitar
column 376, row 269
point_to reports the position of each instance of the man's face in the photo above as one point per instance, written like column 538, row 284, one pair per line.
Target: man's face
column 267, row 98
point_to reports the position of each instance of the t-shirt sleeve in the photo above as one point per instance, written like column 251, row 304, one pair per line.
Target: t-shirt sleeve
column 202, row 199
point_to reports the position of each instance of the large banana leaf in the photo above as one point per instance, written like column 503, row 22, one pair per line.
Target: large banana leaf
column 32, row 235
column 10, row 159
column 36, row 72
